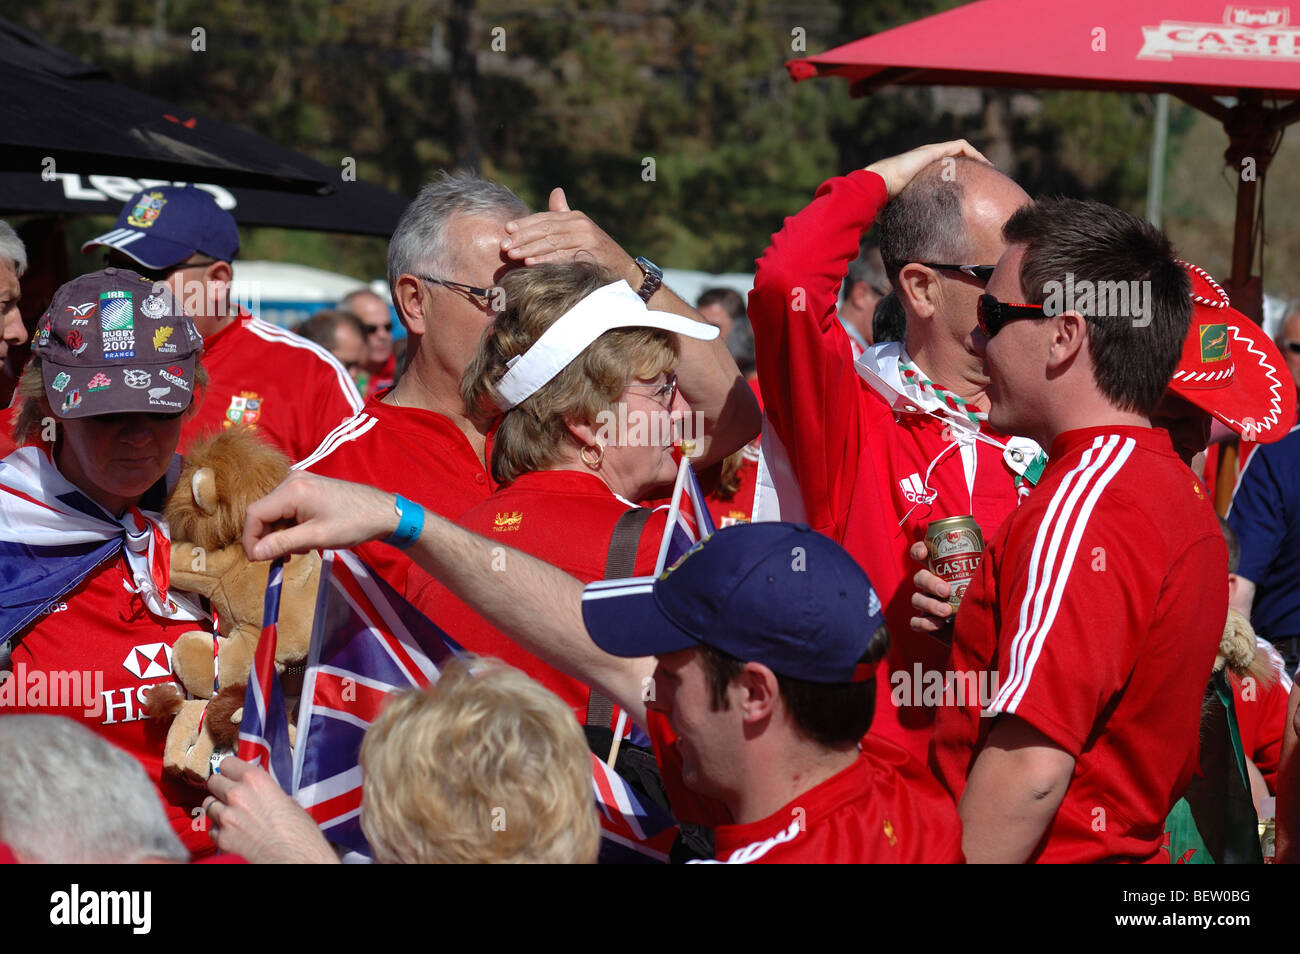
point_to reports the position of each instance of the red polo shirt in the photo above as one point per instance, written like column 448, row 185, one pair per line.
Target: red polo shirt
column 291, row 390
column 419, row 454
column 859, row 463
column 885, row 808
column 101, row 640
column 563, row 517
column 1098, row 610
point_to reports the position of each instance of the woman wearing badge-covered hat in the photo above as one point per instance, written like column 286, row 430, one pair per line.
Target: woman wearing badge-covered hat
column 583, row 376
column 84, row 599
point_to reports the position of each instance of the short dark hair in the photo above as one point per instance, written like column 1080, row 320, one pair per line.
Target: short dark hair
column 889, row 321
column 323, row 326
column 831, row 714
column 740, row 341
column 925, row 222
column 1069, row 242
column 728, row 298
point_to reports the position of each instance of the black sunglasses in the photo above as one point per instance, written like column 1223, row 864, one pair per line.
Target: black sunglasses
column 994, row 315
column 371, row 329
column 1292, row 346
column 981, row 273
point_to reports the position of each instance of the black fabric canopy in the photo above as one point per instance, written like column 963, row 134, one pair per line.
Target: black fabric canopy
column 106, row 140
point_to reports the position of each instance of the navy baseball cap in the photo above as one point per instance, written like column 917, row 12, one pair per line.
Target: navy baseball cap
column 775, row 593
column 165, row 225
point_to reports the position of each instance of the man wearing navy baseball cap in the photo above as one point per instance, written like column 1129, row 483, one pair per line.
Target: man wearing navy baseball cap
column 750, row 663
column 292, row 391
column 763, row 692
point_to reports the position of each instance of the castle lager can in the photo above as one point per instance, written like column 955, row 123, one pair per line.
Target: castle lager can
column 956, row 546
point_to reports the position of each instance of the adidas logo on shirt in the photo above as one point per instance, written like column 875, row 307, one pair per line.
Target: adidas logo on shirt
column 914, row 490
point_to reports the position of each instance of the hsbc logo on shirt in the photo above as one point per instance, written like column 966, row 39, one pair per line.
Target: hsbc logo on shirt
column 149, row 661
column 914, row 491
column 146, row 661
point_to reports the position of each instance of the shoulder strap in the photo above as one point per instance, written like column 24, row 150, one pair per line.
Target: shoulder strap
column 624, row 542
column 620, row 562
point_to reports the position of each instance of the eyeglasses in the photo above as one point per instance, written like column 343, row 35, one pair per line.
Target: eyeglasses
column 118, row 260
column 993, row 315
column 371, row 329
column 483, row 294
column 664, row 393
column 1292, row 346
column 981, row 273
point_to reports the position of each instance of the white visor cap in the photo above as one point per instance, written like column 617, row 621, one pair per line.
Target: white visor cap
column 612, row 306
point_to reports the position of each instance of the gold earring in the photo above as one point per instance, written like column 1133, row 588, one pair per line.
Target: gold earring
column 600, row 455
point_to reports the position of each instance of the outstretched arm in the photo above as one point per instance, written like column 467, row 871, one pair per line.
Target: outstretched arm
column 541, row 610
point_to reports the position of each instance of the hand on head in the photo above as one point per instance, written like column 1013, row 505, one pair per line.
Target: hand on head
column 898, row 171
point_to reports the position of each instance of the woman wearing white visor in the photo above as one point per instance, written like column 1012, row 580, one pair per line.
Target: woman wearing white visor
column 584, row 376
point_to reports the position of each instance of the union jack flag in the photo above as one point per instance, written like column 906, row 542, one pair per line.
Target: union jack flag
column 631, row 830
column 367, row 642
column 689, row 520
column 264, row 731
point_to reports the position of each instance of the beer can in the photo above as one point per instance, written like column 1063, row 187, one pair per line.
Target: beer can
column 956, row 546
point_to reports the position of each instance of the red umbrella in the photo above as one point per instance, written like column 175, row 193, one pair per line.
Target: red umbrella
column 1193, row 49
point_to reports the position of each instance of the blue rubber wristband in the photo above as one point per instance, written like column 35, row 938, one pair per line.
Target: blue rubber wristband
column 410, row 523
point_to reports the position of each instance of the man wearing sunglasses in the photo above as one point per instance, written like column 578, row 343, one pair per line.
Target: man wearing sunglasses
column 380, row 365
column 1100, row 602
column 882, row 447
column 292, row 391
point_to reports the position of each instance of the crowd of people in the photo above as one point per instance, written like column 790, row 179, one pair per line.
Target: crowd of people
column 800, row 685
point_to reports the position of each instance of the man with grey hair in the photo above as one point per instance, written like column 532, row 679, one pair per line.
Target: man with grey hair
column 68, row 796
column 13, row 263
column 445, row 262
column 883, row 446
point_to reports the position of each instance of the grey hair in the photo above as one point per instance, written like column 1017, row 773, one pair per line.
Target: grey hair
column 868, row 267
column 68, row 796
column 418, row 244
column 12, row 248
column 925, row 222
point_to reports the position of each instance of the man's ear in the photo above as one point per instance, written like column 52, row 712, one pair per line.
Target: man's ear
column 758, row 691
column 918, row 290
column 858, row 294
column 408, row 299
column 1068, row 339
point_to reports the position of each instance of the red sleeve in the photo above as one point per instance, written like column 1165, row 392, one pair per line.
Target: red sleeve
column 334, row 400
column 805, row 366
column 1067, row 642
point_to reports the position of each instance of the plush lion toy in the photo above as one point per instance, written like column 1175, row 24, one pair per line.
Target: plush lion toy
column 205, row 514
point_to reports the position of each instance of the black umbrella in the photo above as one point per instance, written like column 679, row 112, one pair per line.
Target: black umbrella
column 355, row 207
column 56, row 107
